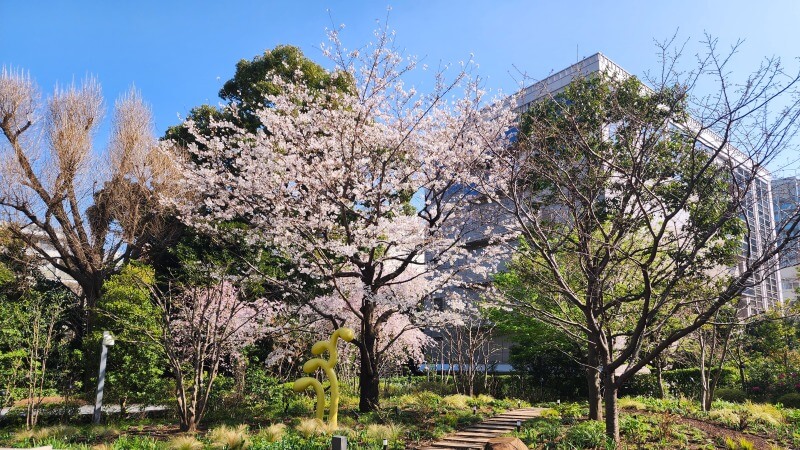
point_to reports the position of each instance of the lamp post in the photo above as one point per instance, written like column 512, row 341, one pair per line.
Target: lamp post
column 108, row 341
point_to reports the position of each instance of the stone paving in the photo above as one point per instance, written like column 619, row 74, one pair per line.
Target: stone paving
column 475, row 436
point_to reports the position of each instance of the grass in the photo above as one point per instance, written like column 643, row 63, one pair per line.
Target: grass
column 185, row 443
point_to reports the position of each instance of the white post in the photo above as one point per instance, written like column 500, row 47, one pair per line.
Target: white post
column 108, row 340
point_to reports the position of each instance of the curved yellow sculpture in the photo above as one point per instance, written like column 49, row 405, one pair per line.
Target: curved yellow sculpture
column 346, row 334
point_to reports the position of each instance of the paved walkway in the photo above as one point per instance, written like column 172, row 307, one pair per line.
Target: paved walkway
column 476, row 436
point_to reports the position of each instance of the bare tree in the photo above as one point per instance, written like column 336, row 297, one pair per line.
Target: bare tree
column 633, row 204
column 82, row 213
column 468, row 348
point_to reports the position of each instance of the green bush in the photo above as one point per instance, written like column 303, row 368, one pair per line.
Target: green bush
column 635, row 428
column 587, row 434
column 547, row 430
column 686, row 382
column 570, row 412
column 731, row 395
column 641, row 384
column 791, row 400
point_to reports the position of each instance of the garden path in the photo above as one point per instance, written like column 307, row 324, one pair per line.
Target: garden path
column 475, row 436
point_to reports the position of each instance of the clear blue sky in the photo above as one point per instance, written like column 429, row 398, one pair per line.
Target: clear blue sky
column 178, row 53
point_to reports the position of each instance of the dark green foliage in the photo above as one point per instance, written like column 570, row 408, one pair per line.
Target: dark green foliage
column 641, row 384
column 732, row 395
column 587, row 434
column 136, row 363
column 791, row 400
column 249, row 88
column 680, row 382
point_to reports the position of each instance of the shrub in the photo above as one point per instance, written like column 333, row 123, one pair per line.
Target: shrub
column 229, row 438
column 550, row 413
column 310, row 427
column 641, row 384
column 483, row 399
column 272, row 433
column 456, row 401
column 741, row 444
column 549, row 430
column 731, row 395
column 725, row 416
column 684, row 381
column 427, row 399
column 378, row 432
column 631, row 403
column 185, row 443
column 791, row 400
column 635, row 428
column 764, row 414
column 588, row 434
column 570, row 412
column 133, row 443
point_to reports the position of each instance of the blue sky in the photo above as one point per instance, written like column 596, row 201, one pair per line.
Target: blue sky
column 178, row 53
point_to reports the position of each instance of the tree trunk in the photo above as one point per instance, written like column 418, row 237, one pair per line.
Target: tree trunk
column 611, row 409
column 91, row 291
column 705, row 400
column 369, row 380
column 660, row 378
column 188, row 422
column 593, row 384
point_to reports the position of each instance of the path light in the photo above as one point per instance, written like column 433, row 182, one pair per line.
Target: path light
column 519, row 425
column 339, row 443
column 519, row 404
column 474, row 410
column 385, row 444
column 108, row 341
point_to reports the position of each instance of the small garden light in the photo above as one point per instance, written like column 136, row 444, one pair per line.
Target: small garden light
column 385, row 444
column 474, row 410
column 519, row 425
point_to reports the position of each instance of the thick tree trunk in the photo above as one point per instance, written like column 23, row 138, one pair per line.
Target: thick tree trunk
column 611, row 408
column 593, row 384
column 91, row 290
column 369, row 380
column 369, row 383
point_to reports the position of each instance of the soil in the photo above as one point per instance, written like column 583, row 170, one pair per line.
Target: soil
column 723, row 433
column 715, row 431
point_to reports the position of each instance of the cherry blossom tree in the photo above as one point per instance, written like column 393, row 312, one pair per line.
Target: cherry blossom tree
column 203, row 325
column 367, row 191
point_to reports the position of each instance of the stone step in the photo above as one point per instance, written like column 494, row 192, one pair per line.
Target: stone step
column 475, row 436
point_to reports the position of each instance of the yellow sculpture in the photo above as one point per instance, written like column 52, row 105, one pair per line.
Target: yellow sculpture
column 311, row 366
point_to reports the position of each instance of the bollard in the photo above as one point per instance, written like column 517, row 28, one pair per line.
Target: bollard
column 339, row 443
column 519, row 425
column 385, row 444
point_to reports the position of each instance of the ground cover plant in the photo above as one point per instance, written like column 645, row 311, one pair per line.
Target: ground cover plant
column 411, row 415
column 653, row 424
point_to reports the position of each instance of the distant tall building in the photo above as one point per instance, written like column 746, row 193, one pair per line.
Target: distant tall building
column 785, row 200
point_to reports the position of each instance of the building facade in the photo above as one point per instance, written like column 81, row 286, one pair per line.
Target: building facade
column 785, row 201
